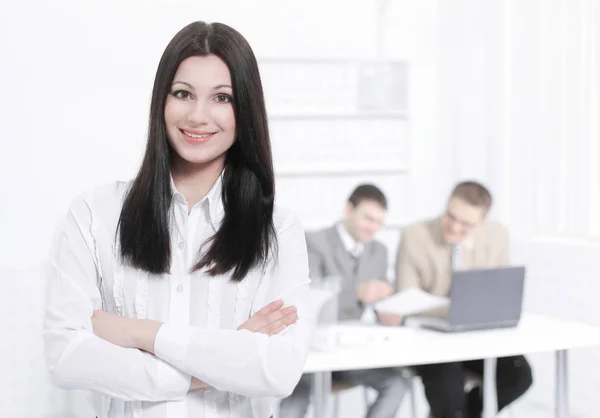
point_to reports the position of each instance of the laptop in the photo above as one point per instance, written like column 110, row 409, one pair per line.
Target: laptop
column 482, row 299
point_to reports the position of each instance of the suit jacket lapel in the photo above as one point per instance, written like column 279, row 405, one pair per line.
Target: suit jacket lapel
column 478, row 251
column 341, row 256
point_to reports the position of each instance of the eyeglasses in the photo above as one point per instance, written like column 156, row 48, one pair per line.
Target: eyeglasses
column 461, row 222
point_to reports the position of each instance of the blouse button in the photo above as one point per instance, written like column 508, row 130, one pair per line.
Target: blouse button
column 179, row 289
column 181, row 245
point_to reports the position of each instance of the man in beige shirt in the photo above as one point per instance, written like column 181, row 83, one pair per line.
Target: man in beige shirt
column 429, row 250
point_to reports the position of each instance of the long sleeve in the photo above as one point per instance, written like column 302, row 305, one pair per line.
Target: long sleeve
column 251, row 364
column 407, row 275
column 78, row 359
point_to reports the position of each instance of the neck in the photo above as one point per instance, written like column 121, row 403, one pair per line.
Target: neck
column 194, row 181
column 348, row 230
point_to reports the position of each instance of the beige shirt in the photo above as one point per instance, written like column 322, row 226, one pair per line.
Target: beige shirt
column 424, row 258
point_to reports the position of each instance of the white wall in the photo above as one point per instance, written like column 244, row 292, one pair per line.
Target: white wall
column 79, row 75
column 520, row 93
column 502, row 91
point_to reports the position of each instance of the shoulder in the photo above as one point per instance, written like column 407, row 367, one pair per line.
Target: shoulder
column 100, row 201
column 107, row 192
column 290, row 234
column 320, row 240
column 285, row 219
column 417, row 230
column 495, row 231
column 318, row 235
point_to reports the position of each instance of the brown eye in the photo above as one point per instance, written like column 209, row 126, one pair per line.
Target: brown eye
column 223, row 98
column 182, row 94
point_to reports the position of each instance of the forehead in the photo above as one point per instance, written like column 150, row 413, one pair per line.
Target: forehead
column 464, row 210
column 371, row 208
column 203, row 71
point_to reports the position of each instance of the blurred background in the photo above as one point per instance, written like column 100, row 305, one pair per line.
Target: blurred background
column 410, row 95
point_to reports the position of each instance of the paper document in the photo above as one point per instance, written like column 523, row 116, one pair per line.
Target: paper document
column 411, row 302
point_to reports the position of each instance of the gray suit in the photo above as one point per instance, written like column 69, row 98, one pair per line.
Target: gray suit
column 327, row 256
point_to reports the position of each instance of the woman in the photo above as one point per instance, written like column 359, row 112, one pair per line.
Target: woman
column 156, row 283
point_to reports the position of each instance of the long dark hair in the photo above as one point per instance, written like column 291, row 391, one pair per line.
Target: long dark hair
column 246, row 237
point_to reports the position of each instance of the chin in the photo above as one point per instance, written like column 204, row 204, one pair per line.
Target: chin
column 453, row 240
column 202, row 158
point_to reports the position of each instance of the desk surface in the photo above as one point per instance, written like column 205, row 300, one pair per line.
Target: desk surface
column 403, row 346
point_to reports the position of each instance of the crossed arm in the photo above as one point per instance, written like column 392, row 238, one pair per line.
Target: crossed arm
column 118, row 356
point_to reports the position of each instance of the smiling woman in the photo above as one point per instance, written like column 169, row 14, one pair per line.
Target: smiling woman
column 199, row 114
column 187, row 282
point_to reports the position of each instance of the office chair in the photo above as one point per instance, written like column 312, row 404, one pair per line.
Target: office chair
column 338, row 387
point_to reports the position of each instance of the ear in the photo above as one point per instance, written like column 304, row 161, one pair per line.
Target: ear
column 484, row 214
column 349, row 209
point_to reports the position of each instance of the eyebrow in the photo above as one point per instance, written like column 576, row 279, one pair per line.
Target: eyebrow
column 192, row 87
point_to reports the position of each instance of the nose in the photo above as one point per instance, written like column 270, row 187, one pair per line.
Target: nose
column 455, row 227
column 374, row 227
column 198, row 114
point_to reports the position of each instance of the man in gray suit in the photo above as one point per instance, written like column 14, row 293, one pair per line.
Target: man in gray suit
column 348, row 250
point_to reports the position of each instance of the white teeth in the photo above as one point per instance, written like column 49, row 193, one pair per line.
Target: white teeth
column 196, row 136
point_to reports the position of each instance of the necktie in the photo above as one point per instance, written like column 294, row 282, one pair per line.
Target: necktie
column 456, row 254
column 355, row 256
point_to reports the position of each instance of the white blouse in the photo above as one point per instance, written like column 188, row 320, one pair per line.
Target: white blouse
column 200, row 314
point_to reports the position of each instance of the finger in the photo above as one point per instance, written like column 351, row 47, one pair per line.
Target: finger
column 271, row 307
column 259, row 319
column 276, row 316
column 290, row 319
column 266, row 321
column 264, row 317
column 283, row 321
column 277, row 330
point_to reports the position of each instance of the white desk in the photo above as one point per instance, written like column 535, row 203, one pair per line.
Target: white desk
column 390, row 347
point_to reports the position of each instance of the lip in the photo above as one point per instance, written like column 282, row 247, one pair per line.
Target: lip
column 191, row 140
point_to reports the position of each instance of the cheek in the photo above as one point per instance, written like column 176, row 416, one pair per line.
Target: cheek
column 224, row 117
column 445, row 224
column 365, row 226
column 173, row 112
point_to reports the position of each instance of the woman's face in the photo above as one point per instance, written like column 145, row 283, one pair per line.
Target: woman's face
column 199, row 116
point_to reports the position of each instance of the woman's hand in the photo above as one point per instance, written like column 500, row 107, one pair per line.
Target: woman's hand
column 141, row 333
column 272, row 319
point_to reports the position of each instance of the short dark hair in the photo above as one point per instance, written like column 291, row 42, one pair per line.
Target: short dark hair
column 473, row 193
column 248, row 188
column 368, row 192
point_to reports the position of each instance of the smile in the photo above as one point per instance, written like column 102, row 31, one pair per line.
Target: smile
column 197, row 137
